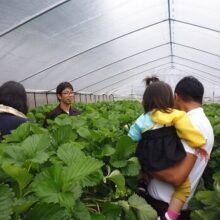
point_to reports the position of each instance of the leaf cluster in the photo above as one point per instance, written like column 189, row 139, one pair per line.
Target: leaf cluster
column 80, row 167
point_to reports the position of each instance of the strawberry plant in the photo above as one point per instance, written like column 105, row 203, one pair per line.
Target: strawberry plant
column 84, row 167
column 80, row 167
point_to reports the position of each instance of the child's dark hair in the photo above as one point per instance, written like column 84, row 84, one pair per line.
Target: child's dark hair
column 13, row 94
column 158, row 95
column 149, row 80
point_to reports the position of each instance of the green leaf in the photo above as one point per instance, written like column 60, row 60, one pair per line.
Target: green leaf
column 78, row 122
column 49, row 187
column 14, row 154
column 48, row 184
column 80, row 211
column 124, row 204
column 206, row 215
column 124, row 148
column 216, row 177
column 112, row 211
column 76, row 189
column 84, row 132
column 32, row 149
column 69, row 153
column 98, row 135
column 19, row 134
column 97, row 216
column 63, row 120
column 101, row 122
column 132, row 168
column 40, row 116
column 194, row 204
column 3, row 175
column 198, row 215
column 63, row 134
column 119, row 163
column 19, row 174
column 44, row 211
column 128, row 212
column 3, row 146
column 217, row 129
column 212, row 120
column 93, row 179
column 117, row 178
column 207, row 203
column 81, row 168
column 143, row 210
column 36, row 129
column 21, row 205
column 130, row 215
column 79, row 145
column 6, row 202
column 107, row 150
column 206, row 197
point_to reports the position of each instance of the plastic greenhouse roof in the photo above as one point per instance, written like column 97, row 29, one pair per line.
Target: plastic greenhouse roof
column 109, row 46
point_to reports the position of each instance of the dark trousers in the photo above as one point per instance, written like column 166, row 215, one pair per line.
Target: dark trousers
column 161, row 207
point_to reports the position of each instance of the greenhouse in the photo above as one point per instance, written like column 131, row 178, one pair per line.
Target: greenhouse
column 86, row 167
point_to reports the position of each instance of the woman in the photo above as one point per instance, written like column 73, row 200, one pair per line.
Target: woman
column 13, row 107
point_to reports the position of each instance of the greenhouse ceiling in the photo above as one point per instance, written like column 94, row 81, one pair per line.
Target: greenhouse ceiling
column 109, row 46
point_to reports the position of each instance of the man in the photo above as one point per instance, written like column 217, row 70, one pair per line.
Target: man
column 188, row 97
column 65, row 96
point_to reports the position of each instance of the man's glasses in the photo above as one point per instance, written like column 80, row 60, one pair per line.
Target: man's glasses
column 67, row 93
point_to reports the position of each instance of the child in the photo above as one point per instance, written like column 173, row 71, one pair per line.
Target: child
column 158, row 131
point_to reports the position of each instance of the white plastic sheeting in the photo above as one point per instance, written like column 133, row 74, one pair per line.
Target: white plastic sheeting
column 109, row 46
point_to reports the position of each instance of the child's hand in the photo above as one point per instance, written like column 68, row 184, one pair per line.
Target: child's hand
column 203, row 153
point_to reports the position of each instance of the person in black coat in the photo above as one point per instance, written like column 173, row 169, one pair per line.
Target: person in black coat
column 13, row 107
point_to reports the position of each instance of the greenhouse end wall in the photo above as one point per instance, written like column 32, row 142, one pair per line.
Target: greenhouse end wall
column 41, row 98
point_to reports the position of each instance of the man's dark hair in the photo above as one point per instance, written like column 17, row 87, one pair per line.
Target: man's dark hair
column 158, row 95
column 63, row 86
column 190, row 89
column 13, row 94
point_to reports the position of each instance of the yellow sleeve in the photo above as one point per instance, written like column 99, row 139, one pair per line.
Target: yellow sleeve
column 180, row 120
column 182, row 191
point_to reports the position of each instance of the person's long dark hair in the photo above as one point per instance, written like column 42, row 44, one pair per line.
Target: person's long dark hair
column 13, row 94
column 158, row 95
